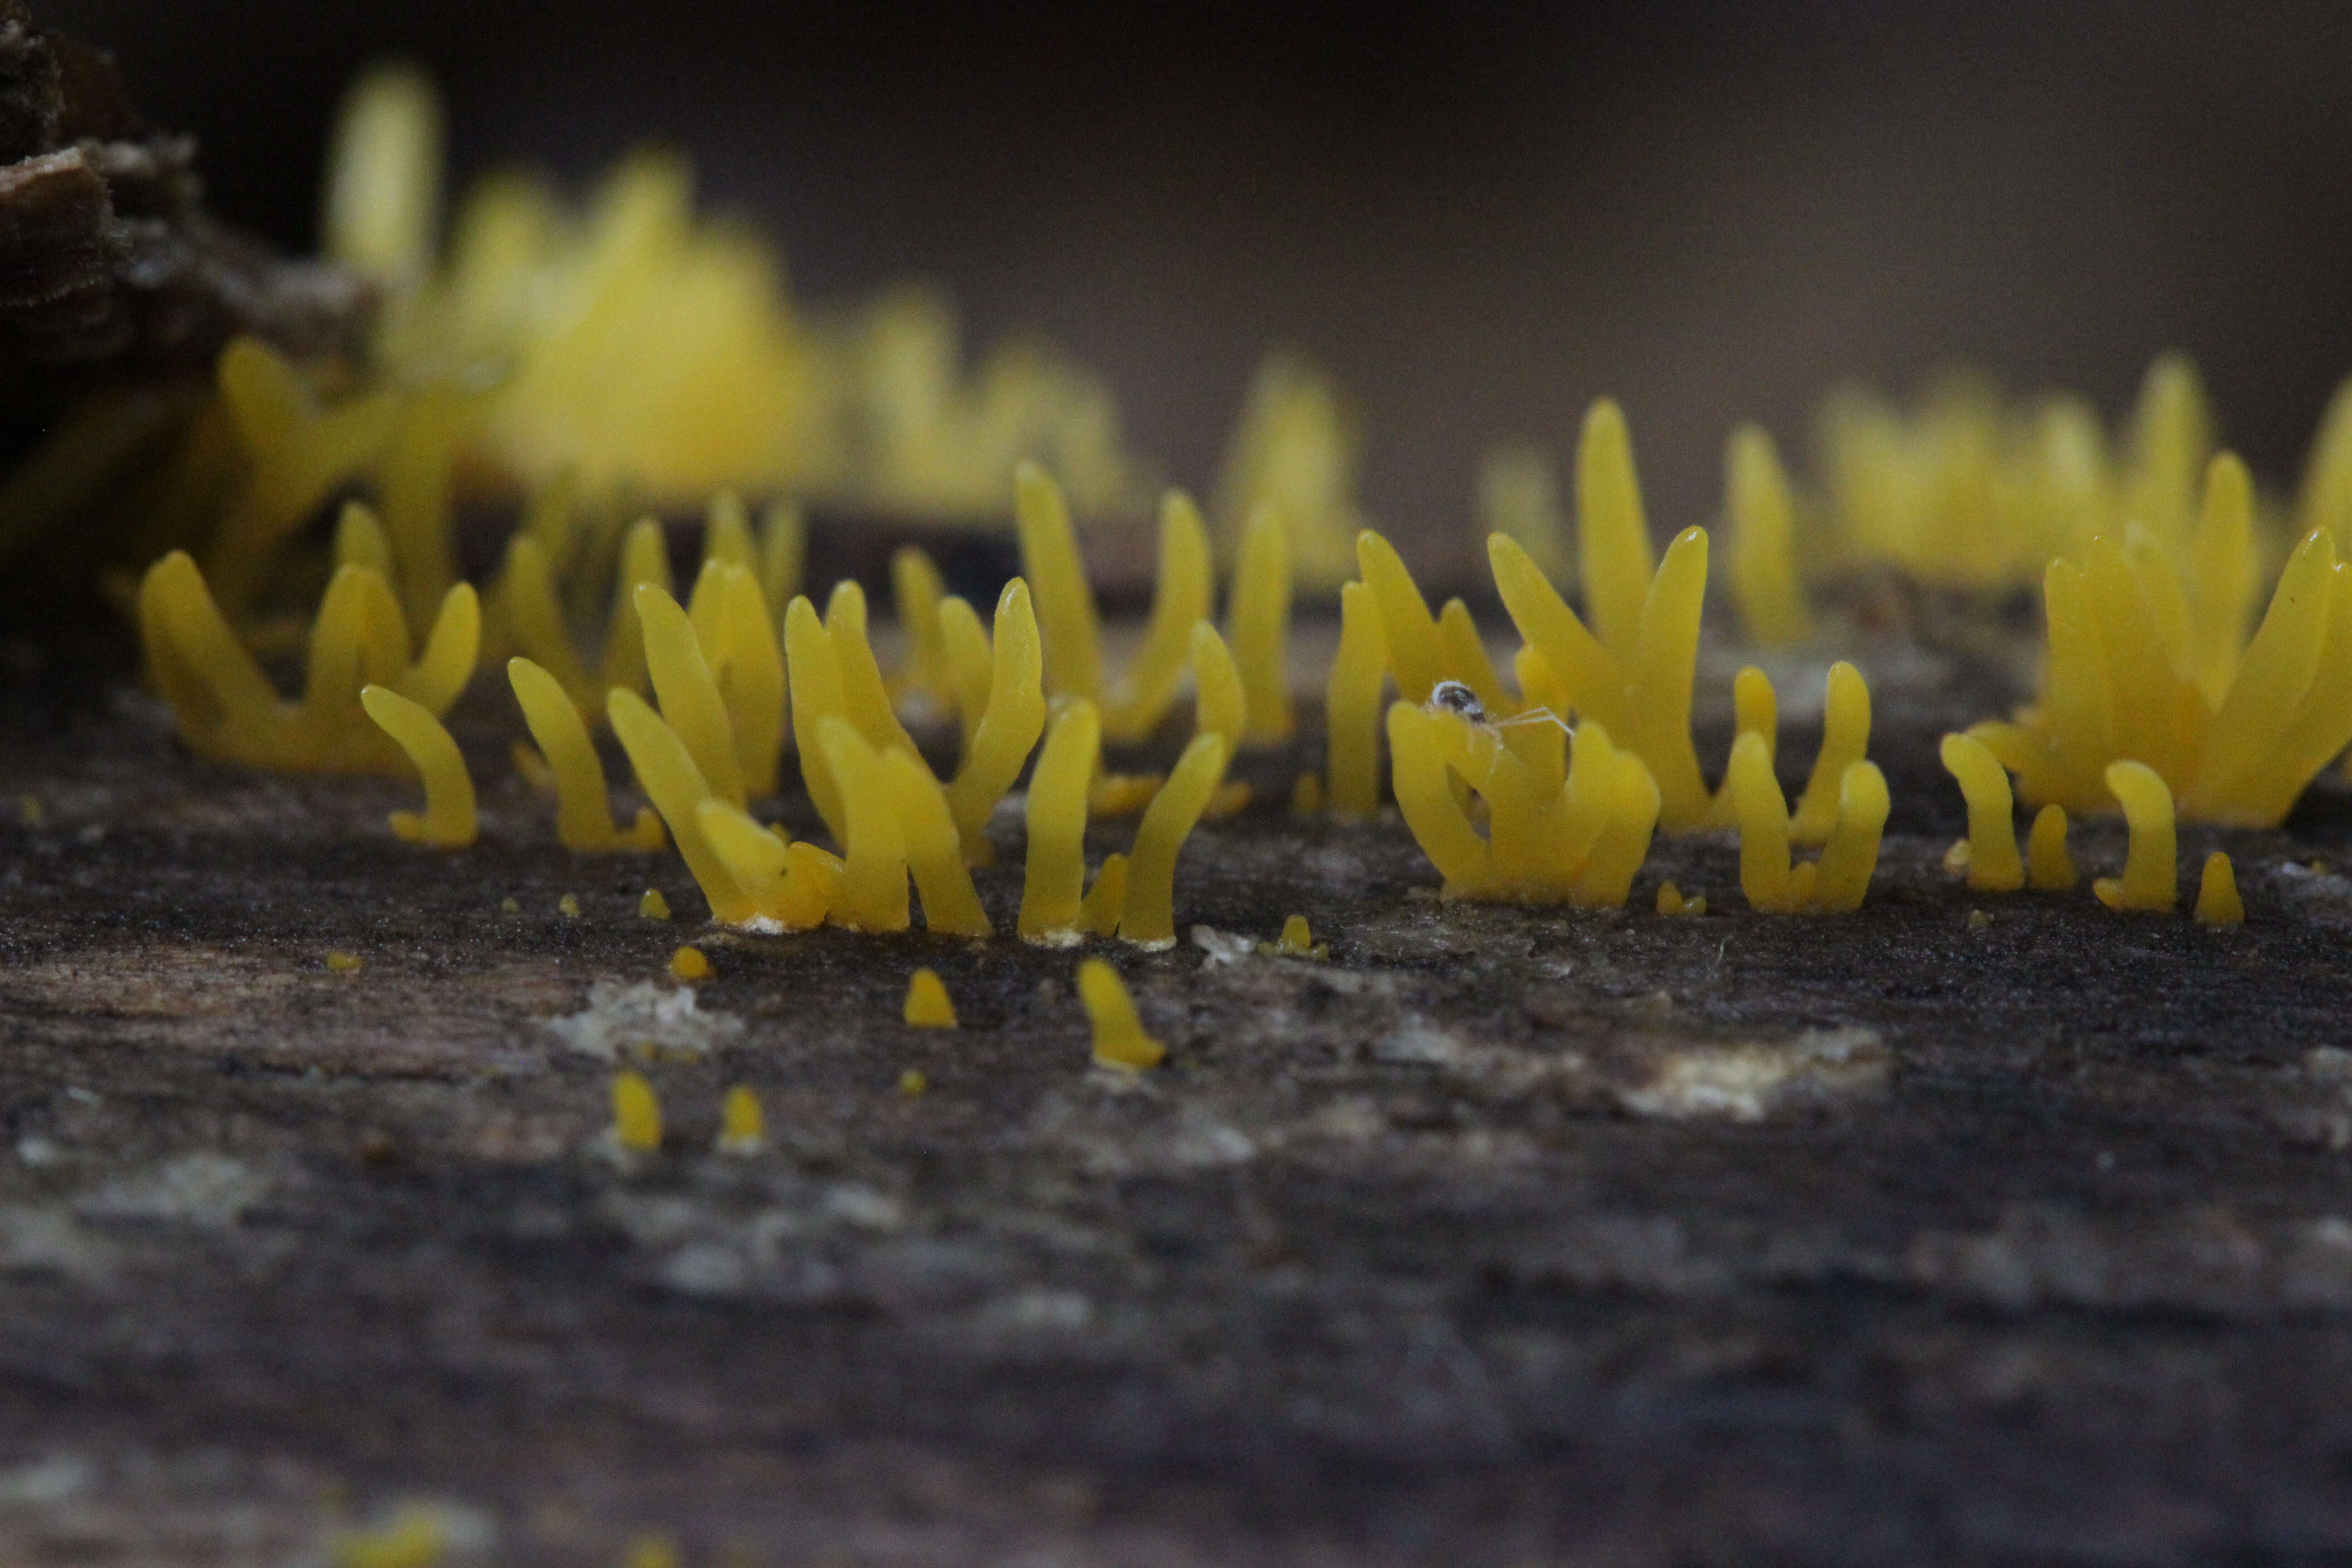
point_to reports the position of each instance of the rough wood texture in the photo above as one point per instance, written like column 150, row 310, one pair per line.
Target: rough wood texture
column 1503, row 1237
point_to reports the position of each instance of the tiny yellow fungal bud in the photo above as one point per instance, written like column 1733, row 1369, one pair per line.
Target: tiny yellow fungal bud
column 1258, row 625
column 743, row 1125
column 652, row 906
column 1058, row 576
column 1845, row 739
column 913, row 1084
column 1179, row 597
column 2049, row 869
column 1992, row 861
column 927, row 1004
column 2217, row 903
column 343, row 963
column 447, row 821
column 1296, row 941
column 636, row 1115
column 1979, row 920
column 31, row 811
column 584, row 815
column 1149, row 917
column 1231, row 797
column 1053, row 880
column 1105, row 900
column 512, row 906
column 1119, row 1039
column 690, row 964
column 1306, row 794
column 413, row 1537
column 1009, row 726
column 1956, row 858
column 1221, row 710
column 1352, row 707
column 1763, row 550
column 2151, row 871
column 568, row 906
column 1670, row 899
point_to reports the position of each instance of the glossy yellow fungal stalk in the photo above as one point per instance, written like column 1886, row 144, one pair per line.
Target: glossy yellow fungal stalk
column 898, row 823
column 584, row 815
column 1053, row 880
column 834, row 675
column 788, row 886
column 636, row 1113
column 447, row 821
column 2048, row 868
column 2151, row 868
column 1258, row 627
column 1105, row 902
column 1180, row 596
column 1562, row 824
column 1756, row 710
column 2217, row 903
column 742, row 1123
column 1633, row 673
column 1352, row 707
column 690, row 964
column 1119, row 1040
column 1840, row 879
column 1845, row 738
column 1148, row 915
column 225, row 708
column 2122, row 681
column 1518, row 495
column 667, row 772
column 383, row 188
column 1763, row 565
column 782, row 554
column 738, row 641
column 1009, row 725
column 969, row 664
column 688, row 694
column 645, row 561
column 1296, row 449
column 927, row 1004
column 916, row 593
column 1058, row 576
column 1222, row 707
column 1993, row 863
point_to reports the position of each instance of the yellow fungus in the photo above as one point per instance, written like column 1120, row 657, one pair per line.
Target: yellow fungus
column 786, row 887
column 1764, row 874
column 935, row 849
column 1518, row 495
column 1956, row 858
column 1295, row 449
column 1147, row 917
column 1306, row 794
column 413, row 1537
column 1671, row 901
column 916, row 590
column 1409, row 635
column 1845, row 737
column 927, row 1004
column 1119, row 1040
column 1054, row 879
column 360, row 541
column 2049, row 869
column 652, row 906
column 224, row 707
column 1352, row 707
column 1009, row 726
column 737, row 639
column 1612, row 535
column 1122, row 795
column 568, row 906
column 1842, row 878
column 1979, row 920
column 742, row 1124
column 874, row 847
column 583, row 816
column 913, row 1085
column 652, row 1552
column 1066, row 603
column 1179, row 597
column 383, row 191
column 447, row 821
column 1993, row 864
column 727, row 532
column 344, row 963
column 689, row 963
column 2150, row 868
column 1763, row 565
column 636, row 1115
column 865, row 695
column 817, row 694
column 666, row 772
column 1105, row 902
column 645, row 561
column 1296, row 940
column 530, row 620
column 971, row 664
column 1258, row 627
column 510, row 905
column 688, row 693
column 2217, row 903
column 783, row 551
column 1222, row 707
column 1756, row 709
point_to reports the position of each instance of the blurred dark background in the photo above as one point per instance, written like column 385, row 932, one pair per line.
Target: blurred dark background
column 1478, row 217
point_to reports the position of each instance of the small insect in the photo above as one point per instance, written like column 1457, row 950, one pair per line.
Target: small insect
column 1454, row 697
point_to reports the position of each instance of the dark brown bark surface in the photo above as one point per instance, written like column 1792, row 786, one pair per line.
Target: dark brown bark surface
column 1502, row 1236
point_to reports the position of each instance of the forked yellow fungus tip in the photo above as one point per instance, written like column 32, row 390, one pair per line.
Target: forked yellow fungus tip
column 1119, row 1040
column 636, row 1115
column 2217, row 903
column 690, row 964
column 927, row 1004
